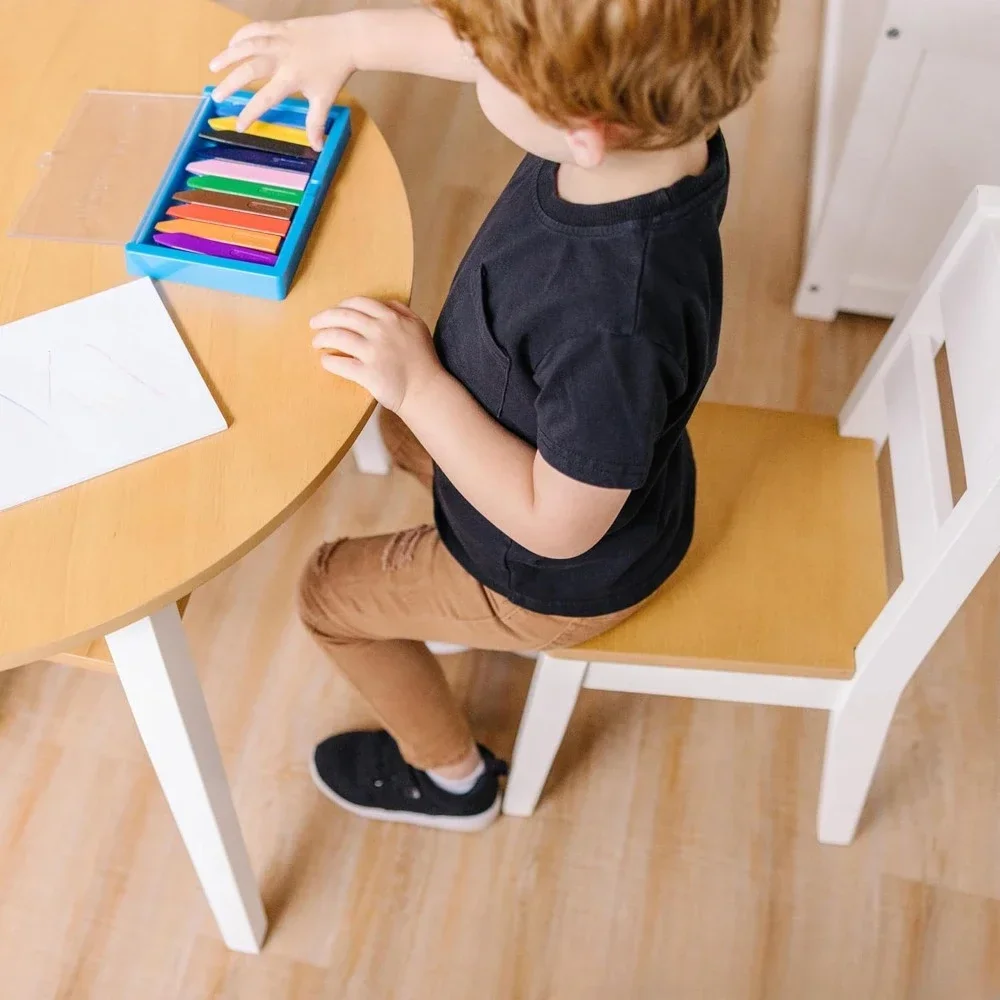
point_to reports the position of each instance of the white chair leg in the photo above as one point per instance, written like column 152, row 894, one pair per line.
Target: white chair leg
column 451, row 648
column 555, row 685
column 156, row 670
column 854, row 739
column 369, row 449
column 445, row 648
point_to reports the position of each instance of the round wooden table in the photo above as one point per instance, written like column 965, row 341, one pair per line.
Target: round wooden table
column 111, row 556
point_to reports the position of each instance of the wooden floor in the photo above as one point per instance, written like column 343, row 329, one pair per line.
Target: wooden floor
column 674, row 853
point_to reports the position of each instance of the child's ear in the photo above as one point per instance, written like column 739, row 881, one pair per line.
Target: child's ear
column 588, row 144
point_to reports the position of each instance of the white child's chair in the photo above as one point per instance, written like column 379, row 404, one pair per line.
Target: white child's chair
column 782, row 598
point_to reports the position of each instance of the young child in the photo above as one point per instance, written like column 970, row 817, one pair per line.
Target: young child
column 548, row 412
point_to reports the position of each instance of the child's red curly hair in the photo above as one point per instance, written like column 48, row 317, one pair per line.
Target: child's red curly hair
column 657, row 72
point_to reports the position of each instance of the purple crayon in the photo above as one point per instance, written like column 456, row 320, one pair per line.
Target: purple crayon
column 212, row 248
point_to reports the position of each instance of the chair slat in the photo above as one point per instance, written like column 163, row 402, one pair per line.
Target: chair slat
column 916, row 446
column 970, row 309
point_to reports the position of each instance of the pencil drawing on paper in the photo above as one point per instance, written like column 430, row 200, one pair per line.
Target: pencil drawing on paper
column 94, row 386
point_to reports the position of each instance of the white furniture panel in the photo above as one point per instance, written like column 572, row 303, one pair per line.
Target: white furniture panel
column 908, row 123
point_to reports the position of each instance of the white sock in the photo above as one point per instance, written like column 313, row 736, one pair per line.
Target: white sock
column 459, row 786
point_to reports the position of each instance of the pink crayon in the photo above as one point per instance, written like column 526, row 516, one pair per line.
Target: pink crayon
column 294, row 180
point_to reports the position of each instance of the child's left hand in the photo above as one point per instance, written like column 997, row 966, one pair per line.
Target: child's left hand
column 384, row 347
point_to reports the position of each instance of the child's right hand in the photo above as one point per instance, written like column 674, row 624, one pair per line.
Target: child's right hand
column 312, row 55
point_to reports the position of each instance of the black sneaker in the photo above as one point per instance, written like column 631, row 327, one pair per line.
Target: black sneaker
column 365, row 773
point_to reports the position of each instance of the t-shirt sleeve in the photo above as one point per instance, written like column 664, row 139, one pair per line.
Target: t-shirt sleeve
column 603, row 402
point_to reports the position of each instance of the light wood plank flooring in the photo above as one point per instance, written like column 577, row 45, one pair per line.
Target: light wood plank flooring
column 674, row 853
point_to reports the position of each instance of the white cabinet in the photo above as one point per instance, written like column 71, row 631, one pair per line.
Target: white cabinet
column 908, row 122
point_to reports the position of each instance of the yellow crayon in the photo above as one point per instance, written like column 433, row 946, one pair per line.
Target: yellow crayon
column 265, row 130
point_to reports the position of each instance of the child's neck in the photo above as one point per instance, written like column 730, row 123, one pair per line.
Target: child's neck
column 628, row 173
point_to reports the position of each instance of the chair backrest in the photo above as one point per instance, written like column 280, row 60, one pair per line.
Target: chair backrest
column 957, row 303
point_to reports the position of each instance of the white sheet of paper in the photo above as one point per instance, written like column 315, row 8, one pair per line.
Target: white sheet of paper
column 93, row 386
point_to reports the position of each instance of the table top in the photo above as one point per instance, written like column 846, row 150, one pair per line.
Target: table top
column 79, row 563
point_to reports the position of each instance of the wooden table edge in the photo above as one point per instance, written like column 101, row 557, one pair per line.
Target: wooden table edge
column 10, row 661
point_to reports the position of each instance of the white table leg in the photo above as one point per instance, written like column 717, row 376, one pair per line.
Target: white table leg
column 156, row 670
column 369, row 449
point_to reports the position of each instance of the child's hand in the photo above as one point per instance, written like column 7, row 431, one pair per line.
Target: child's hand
column 386, row 348
column 310, row 54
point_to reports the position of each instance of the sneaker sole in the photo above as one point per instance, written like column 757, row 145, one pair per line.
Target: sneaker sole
column 456, row 824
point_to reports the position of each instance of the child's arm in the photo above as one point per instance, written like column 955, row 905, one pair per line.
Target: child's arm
column 505, row 479
column 388, row 350
column 317, row 55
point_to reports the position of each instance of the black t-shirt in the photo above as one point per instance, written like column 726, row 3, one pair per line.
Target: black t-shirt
column 589, row 331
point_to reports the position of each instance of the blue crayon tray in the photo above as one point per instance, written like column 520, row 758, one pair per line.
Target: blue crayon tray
column 145, row 258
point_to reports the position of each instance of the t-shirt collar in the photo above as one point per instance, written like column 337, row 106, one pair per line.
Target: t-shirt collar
column 642, row 206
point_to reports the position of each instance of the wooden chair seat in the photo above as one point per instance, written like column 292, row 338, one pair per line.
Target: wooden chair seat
column 787, row 569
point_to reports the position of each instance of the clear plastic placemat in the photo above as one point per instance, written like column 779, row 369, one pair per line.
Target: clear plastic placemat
column 98, row 181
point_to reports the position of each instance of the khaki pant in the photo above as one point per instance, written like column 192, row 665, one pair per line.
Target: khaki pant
column 372, row 602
